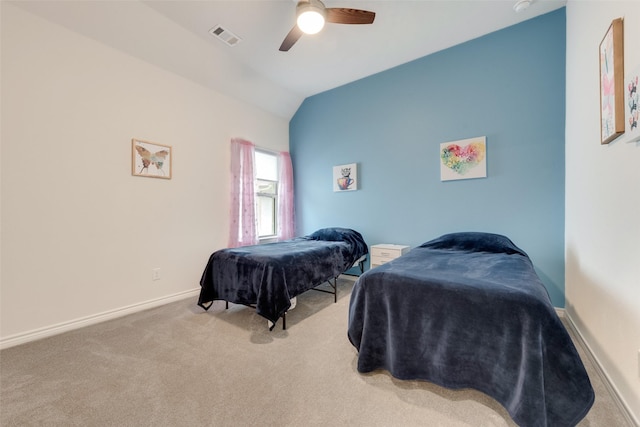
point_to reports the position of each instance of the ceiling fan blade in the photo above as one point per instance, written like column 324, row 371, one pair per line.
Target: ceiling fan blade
column 342, row 15
column 291, row 38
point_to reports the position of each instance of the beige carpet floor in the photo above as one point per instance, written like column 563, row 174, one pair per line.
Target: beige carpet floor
column 177, row 365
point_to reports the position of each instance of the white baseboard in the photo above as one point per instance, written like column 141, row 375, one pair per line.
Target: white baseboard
column 36, row 334
column 611, row 388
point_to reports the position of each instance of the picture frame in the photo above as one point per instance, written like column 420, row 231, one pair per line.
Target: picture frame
column 463, row 159
column 345, row 177
column 611, row 83
column 150, row 159
column 632, row 104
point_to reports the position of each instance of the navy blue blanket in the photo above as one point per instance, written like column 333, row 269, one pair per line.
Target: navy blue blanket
column 467, row 310
column 269, row 275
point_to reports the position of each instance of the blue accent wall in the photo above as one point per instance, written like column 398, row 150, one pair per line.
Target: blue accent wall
column 508, row 86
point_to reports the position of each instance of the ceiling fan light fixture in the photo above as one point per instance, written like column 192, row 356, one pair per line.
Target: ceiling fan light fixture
column 312, row 14
column 311, row 17
column 521, row 5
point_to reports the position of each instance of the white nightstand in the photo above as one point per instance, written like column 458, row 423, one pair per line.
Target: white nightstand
column 385, row 252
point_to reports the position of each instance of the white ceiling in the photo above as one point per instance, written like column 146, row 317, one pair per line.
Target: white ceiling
column 175, row 36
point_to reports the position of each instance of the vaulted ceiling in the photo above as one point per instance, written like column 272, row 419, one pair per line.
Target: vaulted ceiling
column 175, row 35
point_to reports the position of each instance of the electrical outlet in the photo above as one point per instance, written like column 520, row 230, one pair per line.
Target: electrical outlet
column 155, row 274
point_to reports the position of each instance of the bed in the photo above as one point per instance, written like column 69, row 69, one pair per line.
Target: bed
column 467, row 310
column 268, row 276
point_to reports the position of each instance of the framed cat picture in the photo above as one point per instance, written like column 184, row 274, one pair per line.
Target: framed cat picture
column 345, row 177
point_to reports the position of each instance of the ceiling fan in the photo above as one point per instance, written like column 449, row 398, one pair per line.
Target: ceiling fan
column 312, row 14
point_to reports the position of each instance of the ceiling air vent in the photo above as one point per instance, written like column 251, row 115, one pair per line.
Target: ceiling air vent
column 225, row 35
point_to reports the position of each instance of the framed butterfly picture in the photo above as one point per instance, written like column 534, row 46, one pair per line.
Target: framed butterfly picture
column 612, row 83
column 150, row 159
column 632, row 105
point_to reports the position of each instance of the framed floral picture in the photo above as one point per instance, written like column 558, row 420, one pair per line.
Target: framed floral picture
column 463, row 159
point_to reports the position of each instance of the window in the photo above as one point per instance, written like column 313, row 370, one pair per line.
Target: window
column 266, row 170
column 261, row 195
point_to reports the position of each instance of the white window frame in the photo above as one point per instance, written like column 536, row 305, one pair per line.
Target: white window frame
column 274, row 196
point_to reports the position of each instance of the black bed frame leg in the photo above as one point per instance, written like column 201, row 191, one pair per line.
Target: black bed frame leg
column 334, row 285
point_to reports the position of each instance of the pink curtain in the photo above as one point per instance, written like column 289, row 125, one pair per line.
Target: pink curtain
column 286, row 220
column 243, row 229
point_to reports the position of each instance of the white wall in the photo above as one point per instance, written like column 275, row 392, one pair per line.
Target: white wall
column 602, row 203
column 80, row 234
